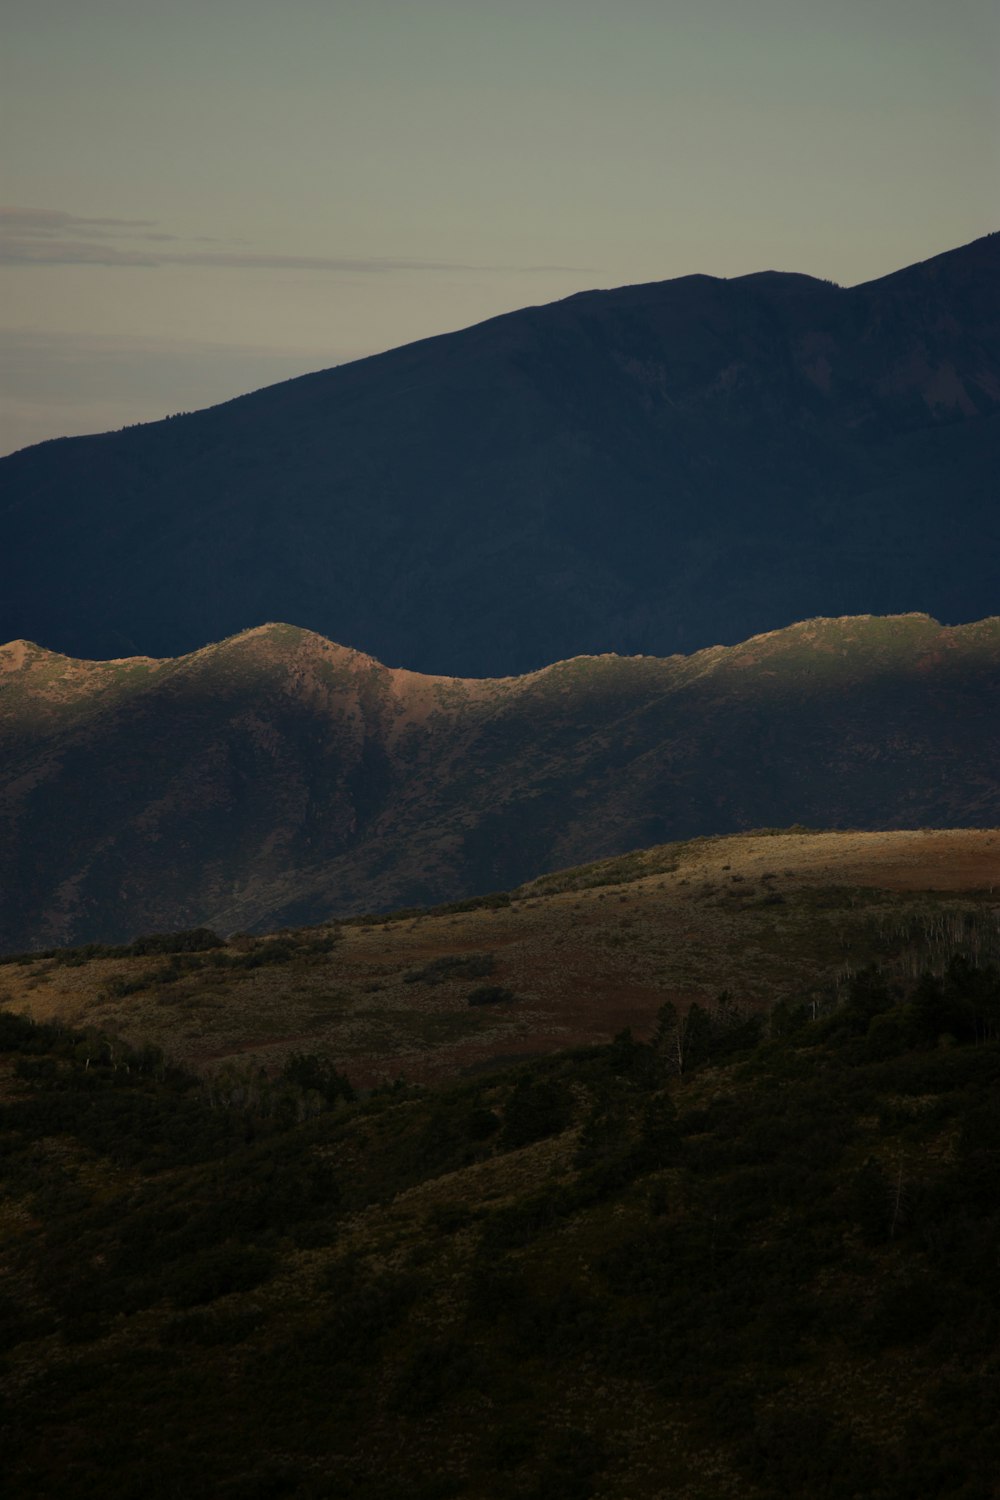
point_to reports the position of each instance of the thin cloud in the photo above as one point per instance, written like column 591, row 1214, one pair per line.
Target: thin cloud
column 15, row 251
column 51, row 237
column 24, row 251
column 52, row 221
column 365, row 263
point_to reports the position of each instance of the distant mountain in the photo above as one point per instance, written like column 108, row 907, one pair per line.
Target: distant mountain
column 656, row 468
column 277, row 777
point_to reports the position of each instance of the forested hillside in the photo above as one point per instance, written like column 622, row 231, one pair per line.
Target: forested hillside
column 750, row 1256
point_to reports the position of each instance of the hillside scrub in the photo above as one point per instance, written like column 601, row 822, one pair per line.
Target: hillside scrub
column 768, row 1274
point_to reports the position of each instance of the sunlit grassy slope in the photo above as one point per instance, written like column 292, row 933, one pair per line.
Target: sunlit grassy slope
column 577, row 954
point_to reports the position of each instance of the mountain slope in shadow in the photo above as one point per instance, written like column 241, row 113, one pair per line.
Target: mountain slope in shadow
column 651, row 469
column 277, row 777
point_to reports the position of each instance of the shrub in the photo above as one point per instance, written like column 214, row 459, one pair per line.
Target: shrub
column 452, row 966
column 216, row 1272
column 194, row 940
column 534, row 1111
column 491, row 994
column 315, row 1074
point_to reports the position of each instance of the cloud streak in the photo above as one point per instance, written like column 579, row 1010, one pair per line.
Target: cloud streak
column 51, row 237
column 51, row 221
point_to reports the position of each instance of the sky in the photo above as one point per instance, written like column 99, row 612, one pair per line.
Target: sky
column 203, row 197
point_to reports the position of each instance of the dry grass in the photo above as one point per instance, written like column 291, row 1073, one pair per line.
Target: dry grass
column 759, row 915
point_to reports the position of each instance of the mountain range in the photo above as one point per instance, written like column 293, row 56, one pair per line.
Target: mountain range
column 621, row 1169
column 652, row 469
column 279, row 778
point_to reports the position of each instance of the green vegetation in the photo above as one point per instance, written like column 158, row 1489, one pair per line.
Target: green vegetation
column 194, row 940
column 745, row 1258
column 188, row 953
column 258, row 954
column 452, row 966
column 490, row 994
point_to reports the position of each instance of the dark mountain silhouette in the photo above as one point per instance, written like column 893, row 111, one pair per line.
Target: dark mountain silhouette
column 656, row 468
column 277, row 777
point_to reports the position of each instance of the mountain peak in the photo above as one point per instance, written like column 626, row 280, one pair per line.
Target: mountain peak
column 645, row 470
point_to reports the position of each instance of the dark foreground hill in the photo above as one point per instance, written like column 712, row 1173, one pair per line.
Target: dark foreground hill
column 277, row 777
column 750, row 1257
column 652, row 469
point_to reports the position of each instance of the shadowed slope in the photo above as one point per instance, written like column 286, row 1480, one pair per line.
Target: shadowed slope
column 278, row 777
column 753, row 1269
column 654, row 469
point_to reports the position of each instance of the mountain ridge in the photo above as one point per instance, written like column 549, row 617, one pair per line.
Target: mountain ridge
column 277, row 777
column 646, row 469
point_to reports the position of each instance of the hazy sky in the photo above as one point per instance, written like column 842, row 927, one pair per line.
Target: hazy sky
column 204, row 196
